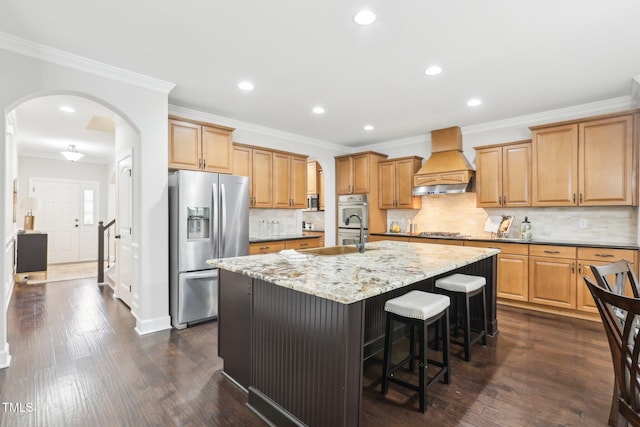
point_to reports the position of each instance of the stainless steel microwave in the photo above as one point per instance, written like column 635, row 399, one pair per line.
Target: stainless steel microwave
column 313, row 202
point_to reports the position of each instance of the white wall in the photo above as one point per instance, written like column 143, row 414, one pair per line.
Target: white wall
column 143, row 103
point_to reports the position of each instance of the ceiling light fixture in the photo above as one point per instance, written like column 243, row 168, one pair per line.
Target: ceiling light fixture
column 368, row 127
column 72, row 155
column 67, row 109
column 364, row 17
column 245, row 85
column 433, row 70
column 474, row 102
column 318, row 110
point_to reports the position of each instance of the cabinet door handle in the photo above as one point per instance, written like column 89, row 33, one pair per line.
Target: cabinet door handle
column 264, row 248
column 504, row 200
column 204, row 164
column 580, row 197
column 579, row 268
column 551, row 252
column 574, row 198
column 604, row 255
column 573, row 268
column 304, row 244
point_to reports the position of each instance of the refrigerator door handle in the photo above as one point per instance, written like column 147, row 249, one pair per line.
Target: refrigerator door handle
column 223, row 219
column 215, row 204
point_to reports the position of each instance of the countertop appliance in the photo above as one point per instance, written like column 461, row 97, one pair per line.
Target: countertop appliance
column 208, row 218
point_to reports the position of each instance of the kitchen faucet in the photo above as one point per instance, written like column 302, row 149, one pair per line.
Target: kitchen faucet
column 359, row 245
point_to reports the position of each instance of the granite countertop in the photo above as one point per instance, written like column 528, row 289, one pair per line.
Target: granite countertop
column 281, row 237
column 579, row 243
column 354, row 277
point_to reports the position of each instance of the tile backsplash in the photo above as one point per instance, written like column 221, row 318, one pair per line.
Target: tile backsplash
column 277, row 222
column 458, row 212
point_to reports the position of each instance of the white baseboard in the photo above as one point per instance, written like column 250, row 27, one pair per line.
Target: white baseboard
column 144, row 327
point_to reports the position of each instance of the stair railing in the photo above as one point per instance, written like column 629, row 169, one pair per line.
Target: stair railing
column 101, row 244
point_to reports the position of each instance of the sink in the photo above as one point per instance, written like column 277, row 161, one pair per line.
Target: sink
column 334, row 250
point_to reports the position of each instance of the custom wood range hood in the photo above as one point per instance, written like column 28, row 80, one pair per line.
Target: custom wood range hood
column 447, row 170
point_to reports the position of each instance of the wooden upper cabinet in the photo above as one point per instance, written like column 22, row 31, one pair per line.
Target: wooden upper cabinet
column 344, row 175
column 184, row 145
column 217, row 150
column 289, row 181
column 555, row 166
column 261, row 178
column 354, row 172
column 242, row 160
column 503, row 175
column 590, row 162
column 199, row 146
column 606, row 159
column 395, row 183
column 312, row 178
column 489, row 177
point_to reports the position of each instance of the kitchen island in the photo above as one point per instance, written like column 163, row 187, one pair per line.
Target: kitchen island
column 295, row 331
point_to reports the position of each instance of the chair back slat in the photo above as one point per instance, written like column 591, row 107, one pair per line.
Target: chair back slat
column 621, row 320
column 621, row 273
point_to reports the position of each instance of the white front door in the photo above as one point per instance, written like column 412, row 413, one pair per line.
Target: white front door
column 59, row 217
column 124, row 216
column 68, row 215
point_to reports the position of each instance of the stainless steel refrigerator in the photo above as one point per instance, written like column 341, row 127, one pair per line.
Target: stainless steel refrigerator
column 208, row 218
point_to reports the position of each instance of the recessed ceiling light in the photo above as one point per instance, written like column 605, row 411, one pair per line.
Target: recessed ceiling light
column 245, row 85
column 67, row 109
column 368, row 127
column 433, row 70
column 318, row 110
column 474, row 102
column 364, row 17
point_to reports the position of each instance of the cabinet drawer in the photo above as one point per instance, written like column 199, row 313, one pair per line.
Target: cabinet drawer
column 605, row 254
column 265, row 247
column 505, row 248
column 301, row 244
column 552, row 251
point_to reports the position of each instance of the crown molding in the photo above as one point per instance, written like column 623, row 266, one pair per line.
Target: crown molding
column 574, row 112
column 45, row 53
column 192, row 114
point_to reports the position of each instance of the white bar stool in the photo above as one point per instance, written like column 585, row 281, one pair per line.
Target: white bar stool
column 418, row 310
column 461, row 287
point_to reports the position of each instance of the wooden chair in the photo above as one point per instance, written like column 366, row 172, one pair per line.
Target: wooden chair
column 616, row 277
column 621, row 319
column 621, row 273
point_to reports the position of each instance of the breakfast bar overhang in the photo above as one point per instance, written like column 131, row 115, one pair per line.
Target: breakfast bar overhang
column 294, row 331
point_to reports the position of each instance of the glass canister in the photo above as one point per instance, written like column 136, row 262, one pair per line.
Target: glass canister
column 525, row 229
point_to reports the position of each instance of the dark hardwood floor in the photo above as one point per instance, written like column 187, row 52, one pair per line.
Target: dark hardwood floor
column 77, row 362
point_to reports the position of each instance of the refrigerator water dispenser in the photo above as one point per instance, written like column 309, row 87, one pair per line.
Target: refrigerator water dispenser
column 197, row 223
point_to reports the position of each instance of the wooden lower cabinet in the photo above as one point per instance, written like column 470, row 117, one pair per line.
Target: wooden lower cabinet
column 597, row 256
column 513, row 269
column 320, row 235
column 552, row 275
column 278, row 245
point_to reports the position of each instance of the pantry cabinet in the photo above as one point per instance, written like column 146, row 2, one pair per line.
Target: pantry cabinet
column 503, row 175
column 588, row 162
column 199, row 146
column 395, row 183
